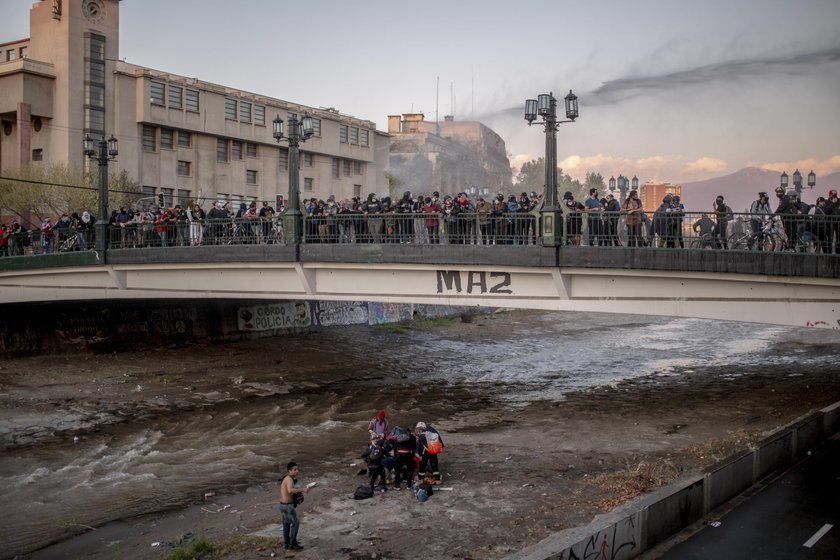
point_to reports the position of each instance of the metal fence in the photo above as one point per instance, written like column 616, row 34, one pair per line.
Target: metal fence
column 678, row 230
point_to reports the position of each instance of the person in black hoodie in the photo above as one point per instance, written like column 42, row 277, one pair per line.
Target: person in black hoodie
column 403, row 443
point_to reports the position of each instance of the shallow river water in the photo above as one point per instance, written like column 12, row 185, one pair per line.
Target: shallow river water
column 160, row 460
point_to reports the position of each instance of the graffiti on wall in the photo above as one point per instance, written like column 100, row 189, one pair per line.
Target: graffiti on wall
column 332, row 313
column 166, row 321
column 81, row 327
column 275, row 316
column 616, row 542
column 381, row 313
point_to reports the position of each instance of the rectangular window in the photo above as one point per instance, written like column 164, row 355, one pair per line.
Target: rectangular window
column 308, row 183
column 236, row 150
column 316, row 126
column 251, row 149
column 11, row 54
column 95, row 119
column 191, row 100
column 184, row 139
column 342, row 133
column 222, row 197
column 308, row 159
column 183, row 197
column 336, row 167
column 284, row 159
column 175, row 97
column 357, row 191
column 184, row 169
column 166, row 138
column 37, row 154
column 230, row 109
column 148, row 191
column 244, row 112
column 157, row 90
column 23, row 51
column 250, row 177
column 346, row 167
column 354, row 135
column 167, row 197
column 259, row 115
column 357, row 167
column 149, row 138
column 95, row 95
column 222, row 150
column 365, row 137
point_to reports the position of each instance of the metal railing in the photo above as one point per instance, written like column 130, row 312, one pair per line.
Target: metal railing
column 677, row 230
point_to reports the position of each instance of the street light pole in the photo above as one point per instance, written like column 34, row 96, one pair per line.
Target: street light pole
column 299, row 131
column 546, row 106
column 107, row 152
column 797, row 181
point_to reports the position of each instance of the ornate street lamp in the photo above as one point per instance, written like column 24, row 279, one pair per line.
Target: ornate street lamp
column 107, row 152
column 797, row 181
column 299, row 130
column 546, row 107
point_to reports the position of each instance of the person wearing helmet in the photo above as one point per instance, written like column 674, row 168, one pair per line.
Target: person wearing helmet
column 677, row 214
column 723, row 215
column 759, row 212
column 790, row 210
column 429, row 446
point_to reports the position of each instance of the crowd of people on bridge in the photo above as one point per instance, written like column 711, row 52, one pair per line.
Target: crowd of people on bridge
column 435, row 219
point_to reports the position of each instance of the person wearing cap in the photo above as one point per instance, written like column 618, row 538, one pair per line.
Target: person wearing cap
column 820, row 226
column 790, row 210
column 759, row 212
column 832, row 210
column 429, row 446
column 378, row 426
column 723, row 215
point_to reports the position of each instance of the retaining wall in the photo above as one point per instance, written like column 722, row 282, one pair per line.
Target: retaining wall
column 645, row 522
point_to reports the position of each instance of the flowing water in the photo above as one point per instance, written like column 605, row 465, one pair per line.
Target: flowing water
column 163, row 461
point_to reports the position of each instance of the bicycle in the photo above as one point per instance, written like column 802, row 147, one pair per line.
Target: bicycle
column 768, row 238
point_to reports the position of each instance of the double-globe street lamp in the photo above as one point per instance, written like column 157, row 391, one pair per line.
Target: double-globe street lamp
column 797, row 181
column 624, row 184
column 299, row 130
column 107, row 152
column 545, row 105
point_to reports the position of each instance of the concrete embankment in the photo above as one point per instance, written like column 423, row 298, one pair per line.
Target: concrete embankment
column 638, row 526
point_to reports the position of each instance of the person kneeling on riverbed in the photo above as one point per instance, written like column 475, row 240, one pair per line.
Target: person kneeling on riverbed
column 429, row 446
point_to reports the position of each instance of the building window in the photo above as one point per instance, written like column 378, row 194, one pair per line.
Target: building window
column 95, row 119
column 222, row 150
column 357, row 191
column 222, row 197
column 346, row 167
column 316, row 126
column 354, row 135
column 308, row 184
column 342, row 133
column 184, row 169
column 157, row 90
column 167, row 197
column 244, row 112
column 149, row 138
column 357, row 167
column 166, row 138
column 183, row 196
column 236, row 150
column 148, row 191
column 365, row 137
column 308, row 159
column 230, row 109
column 37, row 154
column 191, row 100
column 251, row 149
column 259, row 115
column 336, row 168
column 23, row 51
column 284, row 159
column 184, row 139
column 11, row 54
column 95, row 84
column 175, row 97
column 250, row 177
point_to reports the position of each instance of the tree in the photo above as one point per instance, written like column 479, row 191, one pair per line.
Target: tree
column 594, row 181
column 531, row 177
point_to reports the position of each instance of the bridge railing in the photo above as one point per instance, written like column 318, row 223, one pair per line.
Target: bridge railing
column 680, row 230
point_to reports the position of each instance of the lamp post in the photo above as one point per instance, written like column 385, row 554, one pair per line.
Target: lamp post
column 107, row 152
column 624, row 184
column 546, row 107
column 299, row 130
column 797, row 181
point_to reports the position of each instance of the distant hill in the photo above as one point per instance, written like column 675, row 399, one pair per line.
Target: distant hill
column 740, row 188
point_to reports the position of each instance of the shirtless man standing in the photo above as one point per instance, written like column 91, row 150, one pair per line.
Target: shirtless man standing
column 290, row 496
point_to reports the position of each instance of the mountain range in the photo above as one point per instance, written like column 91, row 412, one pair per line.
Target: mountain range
column 741, row 188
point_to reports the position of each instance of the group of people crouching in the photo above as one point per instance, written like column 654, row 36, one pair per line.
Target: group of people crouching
column 397, row 452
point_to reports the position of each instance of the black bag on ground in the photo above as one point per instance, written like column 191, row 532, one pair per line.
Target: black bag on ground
column 363, row 493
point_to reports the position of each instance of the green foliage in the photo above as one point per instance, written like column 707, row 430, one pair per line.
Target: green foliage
column 201, row 546
column 531, row 177
column 179, row 554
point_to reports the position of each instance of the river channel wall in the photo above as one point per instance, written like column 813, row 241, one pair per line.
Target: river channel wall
column 61, row 328
column 638, row 526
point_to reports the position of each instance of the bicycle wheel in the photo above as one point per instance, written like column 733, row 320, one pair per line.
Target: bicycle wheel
column 740, row 242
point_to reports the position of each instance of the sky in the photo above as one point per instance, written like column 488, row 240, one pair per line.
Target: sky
column 669, row 90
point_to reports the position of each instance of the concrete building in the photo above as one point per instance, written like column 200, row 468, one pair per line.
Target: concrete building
column 652, row 193
column 179, row 136
column 448, row 157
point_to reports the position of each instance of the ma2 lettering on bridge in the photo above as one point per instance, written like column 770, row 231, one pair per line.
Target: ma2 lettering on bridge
column 473, row 282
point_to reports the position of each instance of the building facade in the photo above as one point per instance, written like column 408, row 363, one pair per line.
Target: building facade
column 181, row 137
column 651, row 194
column 449, row 157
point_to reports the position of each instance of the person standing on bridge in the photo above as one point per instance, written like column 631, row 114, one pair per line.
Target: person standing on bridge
column 723, row 215
column 633, row 207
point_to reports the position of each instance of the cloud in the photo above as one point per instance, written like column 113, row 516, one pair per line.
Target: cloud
column 820, row 167
column 705, row 165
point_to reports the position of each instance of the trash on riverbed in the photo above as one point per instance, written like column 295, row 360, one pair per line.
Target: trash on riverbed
column 155, row 544
column 712, row 523
column 208, row 495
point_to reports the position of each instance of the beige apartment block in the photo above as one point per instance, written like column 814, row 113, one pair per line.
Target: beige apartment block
column 179, row 136
column 652, row 193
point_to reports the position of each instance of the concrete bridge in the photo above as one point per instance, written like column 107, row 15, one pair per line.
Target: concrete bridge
column 783, row 288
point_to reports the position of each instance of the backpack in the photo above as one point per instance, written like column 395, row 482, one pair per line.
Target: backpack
column 375, row 453
column 363, row 493
column 433, row 443
column 400, row 435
